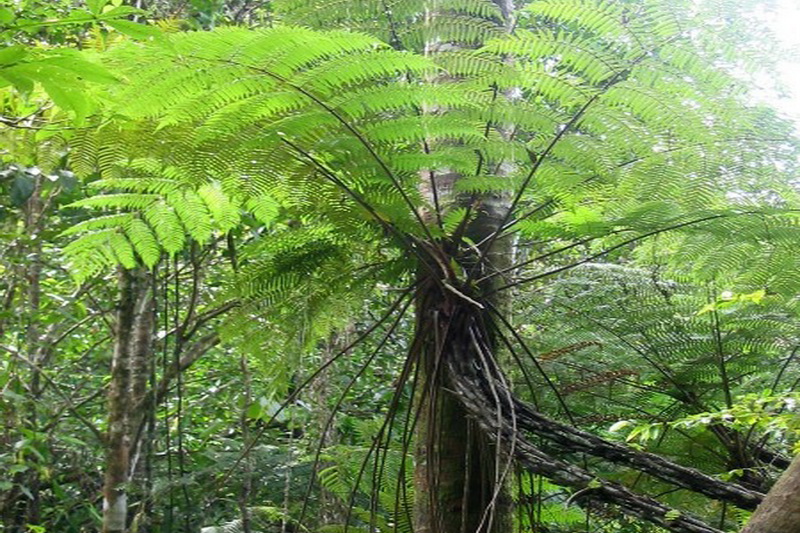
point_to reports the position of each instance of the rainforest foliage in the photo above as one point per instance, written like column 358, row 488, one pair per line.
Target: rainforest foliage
column 442, row 266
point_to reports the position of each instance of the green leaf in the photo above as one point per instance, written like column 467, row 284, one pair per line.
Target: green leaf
column 29, row 26
column 755, row 297
column 72, row 440
column 6, row 15
column 255, row 411
column 21, row 189
column 135, row 30
column 68, row 98
column 73, row 62
column 119, row 12
column 78, row 16
column 96, row 6
column 26, row 491
column 21, row 83
column 707, row 309
column 11, row 54
column 619, row 425
column 13, row 396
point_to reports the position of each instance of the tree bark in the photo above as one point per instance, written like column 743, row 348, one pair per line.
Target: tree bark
column 458, row 479
column 115, row 505
column 130, row 370
column 780, row 510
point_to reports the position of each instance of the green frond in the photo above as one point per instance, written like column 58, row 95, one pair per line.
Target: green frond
column 195, row 215
column 222, row 207
column 144, row 241
column 581, row 56
column 98, row 223
column 91, row 253
column 408, row 23
column 251, row 122
column 132, row 201
column 166, row 226
column 628, row 25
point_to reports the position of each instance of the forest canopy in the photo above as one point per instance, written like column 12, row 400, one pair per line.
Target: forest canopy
column 430, row 266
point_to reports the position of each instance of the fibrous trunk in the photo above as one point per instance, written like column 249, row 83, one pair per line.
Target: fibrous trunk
column 460, row 472
column 457, row 478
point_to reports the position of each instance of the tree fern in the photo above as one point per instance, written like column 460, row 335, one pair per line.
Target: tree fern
column 262, row 520
column 658, row 338
column 309, row 100
column 594, row 120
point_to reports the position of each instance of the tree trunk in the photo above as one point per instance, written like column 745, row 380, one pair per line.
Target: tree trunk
column 780, row 510
column 457, row 476
column 115, row 505
column 460, row 473
column 130, row 367
column 34, row 217
column 142, row 416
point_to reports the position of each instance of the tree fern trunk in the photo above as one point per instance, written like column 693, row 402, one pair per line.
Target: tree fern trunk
column 459, row 485
column 456, row 474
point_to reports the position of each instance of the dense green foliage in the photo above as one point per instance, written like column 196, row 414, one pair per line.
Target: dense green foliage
column 276, row 190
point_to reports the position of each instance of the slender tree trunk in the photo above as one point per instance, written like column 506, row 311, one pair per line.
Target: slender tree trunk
column 141, row 417
column 780, row 510
column 115, row 505
column 247, row 466
column 34, row 212
column 130, row 368
column 144, row 330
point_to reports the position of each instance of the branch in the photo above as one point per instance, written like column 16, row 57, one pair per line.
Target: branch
column 587, row 486
column 197, row 350
column 70, row 406
column 473, row 386
column 576, row 440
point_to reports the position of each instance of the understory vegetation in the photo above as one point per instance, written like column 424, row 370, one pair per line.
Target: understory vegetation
column 431, row 266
